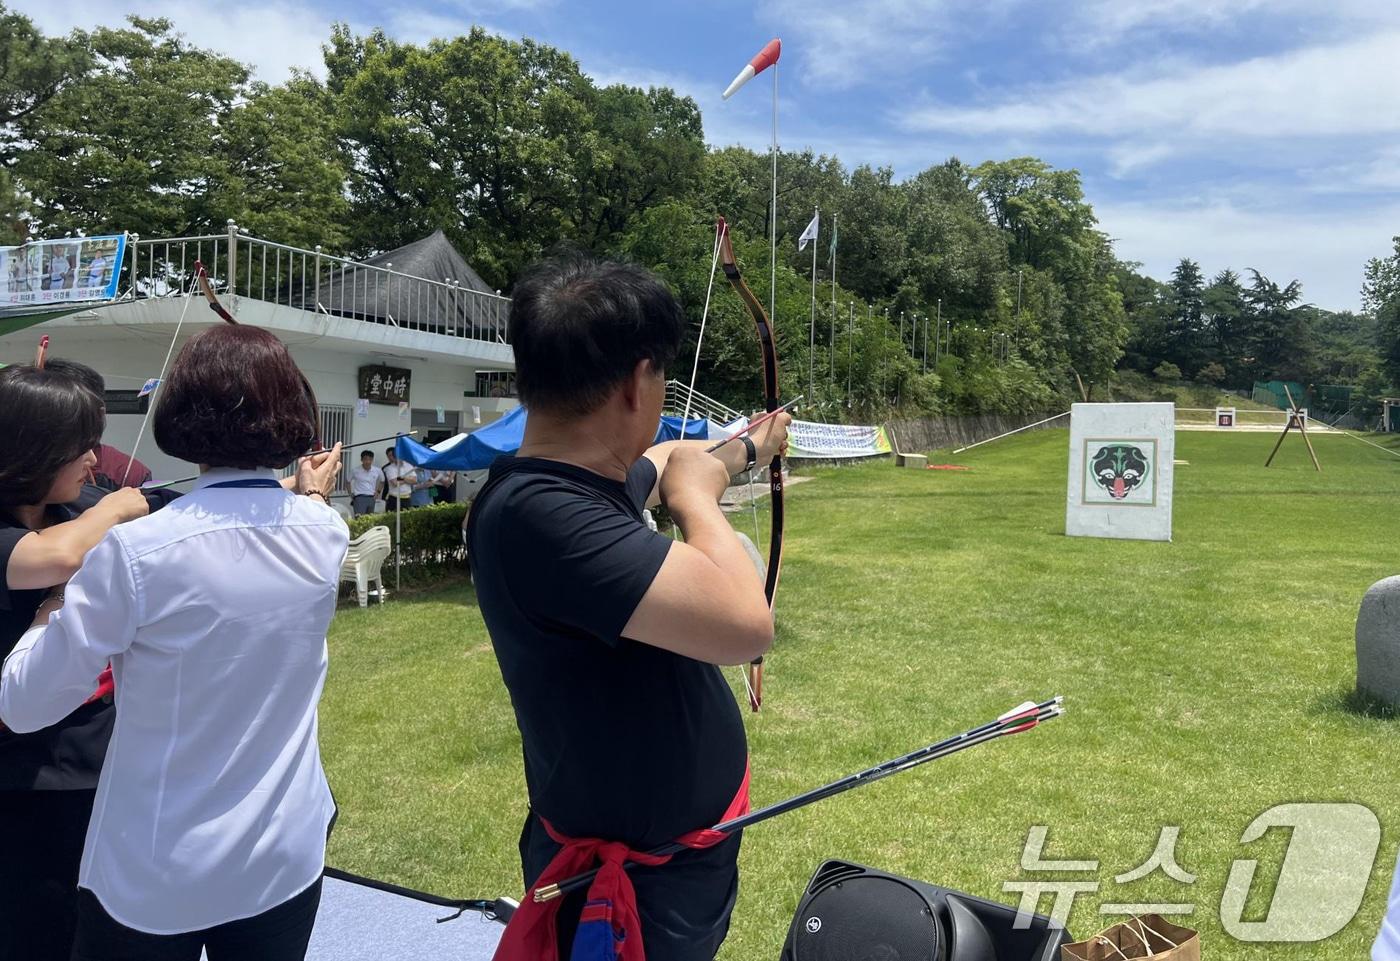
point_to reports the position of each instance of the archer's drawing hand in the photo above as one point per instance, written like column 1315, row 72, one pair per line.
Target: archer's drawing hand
column 319, row 471
column 691, row 477
column 770, row 439
column 124, row 505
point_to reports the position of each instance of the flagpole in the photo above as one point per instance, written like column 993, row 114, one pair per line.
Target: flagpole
column 816, row 213
column 835, row 237
column 773, row 221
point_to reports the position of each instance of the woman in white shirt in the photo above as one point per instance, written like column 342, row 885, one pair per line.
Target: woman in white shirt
column 209, row 827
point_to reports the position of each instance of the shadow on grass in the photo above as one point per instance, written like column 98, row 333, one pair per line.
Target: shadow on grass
column 419, row 591
column 1348, row 700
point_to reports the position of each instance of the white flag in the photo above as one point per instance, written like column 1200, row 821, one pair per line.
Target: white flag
column 810, row 233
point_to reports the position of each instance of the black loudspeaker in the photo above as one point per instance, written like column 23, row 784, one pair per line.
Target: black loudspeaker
column 853, row 913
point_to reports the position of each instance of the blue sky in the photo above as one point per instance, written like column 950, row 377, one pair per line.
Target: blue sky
column 1241, row 133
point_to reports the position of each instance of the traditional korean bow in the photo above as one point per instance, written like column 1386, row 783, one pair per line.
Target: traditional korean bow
column 775, row 467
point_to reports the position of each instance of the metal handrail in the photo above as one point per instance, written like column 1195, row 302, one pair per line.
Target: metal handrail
column 240, row 265
column 700, row 404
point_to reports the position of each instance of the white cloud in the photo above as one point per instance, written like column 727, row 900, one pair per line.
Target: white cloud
column 1326, row 250
column 843, row 44
column 1102, row 22
column 1324, row 91
column 272, row 38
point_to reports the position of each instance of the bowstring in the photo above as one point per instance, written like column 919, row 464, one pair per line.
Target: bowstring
column 160, row 379
column 704, row 315
column 690, row 396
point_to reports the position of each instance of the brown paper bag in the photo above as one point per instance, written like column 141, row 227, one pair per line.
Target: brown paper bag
column 1149, row 936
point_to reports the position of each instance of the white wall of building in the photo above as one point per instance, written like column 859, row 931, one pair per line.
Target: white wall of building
column 126, row 359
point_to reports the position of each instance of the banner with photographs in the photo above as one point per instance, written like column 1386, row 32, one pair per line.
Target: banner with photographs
column 70, row 270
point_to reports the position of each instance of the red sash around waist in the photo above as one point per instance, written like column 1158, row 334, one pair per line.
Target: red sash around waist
column 612, row 901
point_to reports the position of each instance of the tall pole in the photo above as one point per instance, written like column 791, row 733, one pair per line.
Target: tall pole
column 835, row 225
column 884, row 335
column 812, row 336
column 925, row 343
column 1018, row 296
column 850, row 349
column 773, row 219
column 832, row 373
column 935, row 331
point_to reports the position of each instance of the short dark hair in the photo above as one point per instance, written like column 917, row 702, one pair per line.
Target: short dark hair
column 580, row 324
column 366, row 453
column 48, row 419
column 389, row 451
column 235, row 398
column 82, row 373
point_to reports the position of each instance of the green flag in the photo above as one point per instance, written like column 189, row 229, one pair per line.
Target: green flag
column 832, row 257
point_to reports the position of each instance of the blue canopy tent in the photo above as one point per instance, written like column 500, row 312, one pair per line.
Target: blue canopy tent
column 670, row 429
column 476, row 451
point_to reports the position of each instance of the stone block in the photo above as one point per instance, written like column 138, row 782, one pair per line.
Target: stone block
column 1378, row 642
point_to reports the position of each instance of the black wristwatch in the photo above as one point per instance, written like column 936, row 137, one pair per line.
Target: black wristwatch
column 752, row 453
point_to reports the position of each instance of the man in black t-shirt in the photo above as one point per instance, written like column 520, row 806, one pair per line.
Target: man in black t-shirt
column 608, row 635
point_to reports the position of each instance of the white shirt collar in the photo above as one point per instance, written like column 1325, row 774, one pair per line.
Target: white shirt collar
column 218, row 475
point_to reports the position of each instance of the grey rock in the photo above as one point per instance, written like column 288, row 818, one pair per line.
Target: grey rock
column 1378, row 642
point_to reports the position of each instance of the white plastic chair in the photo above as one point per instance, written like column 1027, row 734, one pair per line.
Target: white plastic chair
column 364, row 562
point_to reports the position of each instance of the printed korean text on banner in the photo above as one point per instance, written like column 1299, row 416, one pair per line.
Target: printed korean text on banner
column 71, row 270
column 835, row 441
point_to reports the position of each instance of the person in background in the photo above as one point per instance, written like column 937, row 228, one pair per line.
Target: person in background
column 445, row 487
column 59, row 268
column 97, row 269
column 113, row 468
column 209, row 826
column 366, row 483
column 48, row 776
column 423, row 480
column 398, row 482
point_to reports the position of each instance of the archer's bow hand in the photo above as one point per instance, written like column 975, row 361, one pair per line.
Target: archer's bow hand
column 770, row 438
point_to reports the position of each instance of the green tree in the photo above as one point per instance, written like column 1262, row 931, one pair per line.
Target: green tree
column 1223, row 311
column 33, row 70
column 283, row 177
column 1186, row 347
column 1279, row 334
column 101, row 161
column 1380, row 295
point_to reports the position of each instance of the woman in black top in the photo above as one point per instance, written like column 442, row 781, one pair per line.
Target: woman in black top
column 51, row 424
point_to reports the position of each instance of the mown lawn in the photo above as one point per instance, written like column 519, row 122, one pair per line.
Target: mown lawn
column 1206, row 681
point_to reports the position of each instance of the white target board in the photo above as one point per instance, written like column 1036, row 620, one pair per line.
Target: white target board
column 1120, row 471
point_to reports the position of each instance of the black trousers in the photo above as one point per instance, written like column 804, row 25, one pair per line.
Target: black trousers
column 43, row 835
column 278, row 934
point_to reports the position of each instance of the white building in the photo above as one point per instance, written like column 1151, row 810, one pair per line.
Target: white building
column 419, row 309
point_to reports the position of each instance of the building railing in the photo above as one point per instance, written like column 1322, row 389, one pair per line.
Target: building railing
column 243, row 266
column 700, row 404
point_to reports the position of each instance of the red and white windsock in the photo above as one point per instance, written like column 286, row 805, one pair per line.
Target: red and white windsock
column 766, row 58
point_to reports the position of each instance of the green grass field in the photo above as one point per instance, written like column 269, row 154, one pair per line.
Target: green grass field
column 1206, row 680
